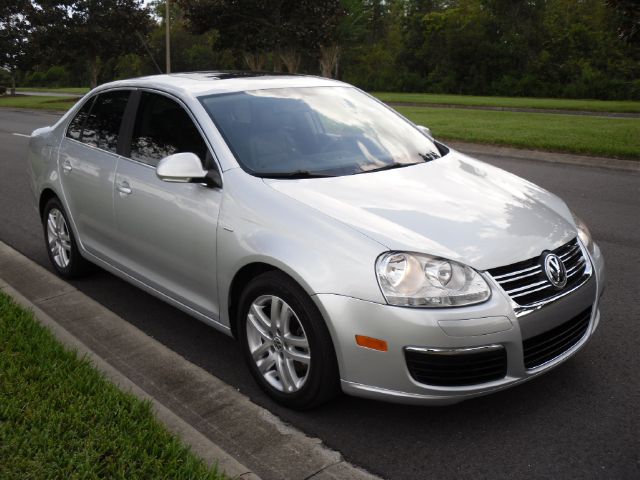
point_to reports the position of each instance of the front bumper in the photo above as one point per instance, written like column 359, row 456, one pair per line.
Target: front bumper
column 385, row 375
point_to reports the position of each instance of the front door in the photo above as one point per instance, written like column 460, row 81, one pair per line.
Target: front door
column 167, row 231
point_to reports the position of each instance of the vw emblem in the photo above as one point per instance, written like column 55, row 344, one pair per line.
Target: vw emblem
column 554, row 270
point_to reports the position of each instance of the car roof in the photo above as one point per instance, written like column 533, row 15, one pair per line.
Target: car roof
column 212, row 82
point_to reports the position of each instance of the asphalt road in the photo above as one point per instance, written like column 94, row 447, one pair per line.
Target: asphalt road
column 581, row 420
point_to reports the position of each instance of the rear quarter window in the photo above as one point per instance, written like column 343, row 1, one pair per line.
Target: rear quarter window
column 74, row 130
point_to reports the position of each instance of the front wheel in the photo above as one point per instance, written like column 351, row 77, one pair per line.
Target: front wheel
column 286, row 342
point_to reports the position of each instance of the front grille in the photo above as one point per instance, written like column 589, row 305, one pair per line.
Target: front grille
column 459, row 369
column 526, row 283
column 553, row 343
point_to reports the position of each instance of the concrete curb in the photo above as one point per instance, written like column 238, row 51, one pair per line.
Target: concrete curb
column 219, row 423
column 477, row 149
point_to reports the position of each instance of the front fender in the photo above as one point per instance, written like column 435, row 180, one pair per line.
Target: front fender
column 260, row 225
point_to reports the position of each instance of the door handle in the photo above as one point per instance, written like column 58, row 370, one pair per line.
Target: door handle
column 66, row 166
column 124, row 188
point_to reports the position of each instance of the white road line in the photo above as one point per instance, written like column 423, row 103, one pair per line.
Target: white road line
column 21, row 135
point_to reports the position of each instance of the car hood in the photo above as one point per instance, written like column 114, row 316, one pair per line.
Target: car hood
column 454, row 207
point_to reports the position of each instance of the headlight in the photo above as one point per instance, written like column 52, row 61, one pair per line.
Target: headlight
column 583, row 233
column 418, row 280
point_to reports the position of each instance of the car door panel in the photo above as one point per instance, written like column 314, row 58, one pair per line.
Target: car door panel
column 87, row 164
column 167, row 234
column 166, row 231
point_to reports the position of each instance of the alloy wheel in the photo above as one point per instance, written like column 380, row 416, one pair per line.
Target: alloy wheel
column 58, row 238
column 278, row 343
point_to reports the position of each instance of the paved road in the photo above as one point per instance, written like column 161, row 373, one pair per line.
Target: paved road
column 44, row 93
column 581, row 420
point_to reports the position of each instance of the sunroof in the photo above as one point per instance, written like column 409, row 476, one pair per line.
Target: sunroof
column 224, row 75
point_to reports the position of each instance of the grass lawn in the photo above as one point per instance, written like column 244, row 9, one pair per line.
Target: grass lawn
column 40, row 103
column 60, row 418
column 74, row 90
column 513, row 102
column 611, row 137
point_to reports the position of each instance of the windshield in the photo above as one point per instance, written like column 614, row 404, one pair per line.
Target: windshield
column 315, row 131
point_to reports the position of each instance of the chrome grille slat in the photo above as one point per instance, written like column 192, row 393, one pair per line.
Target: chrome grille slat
column 500, row 277
column 535, row 272
column 566, row 258
column 527, row 287
column 548, row 285
column 527, row 284
column 573, row 270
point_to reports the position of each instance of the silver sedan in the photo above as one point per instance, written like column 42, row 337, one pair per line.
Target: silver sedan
column 342, row 245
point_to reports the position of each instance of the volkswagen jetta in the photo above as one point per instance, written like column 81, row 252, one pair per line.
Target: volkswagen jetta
column 342, row 245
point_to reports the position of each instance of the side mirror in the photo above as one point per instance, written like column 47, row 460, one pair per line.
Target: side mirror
column 425, row 131
column 186, row 168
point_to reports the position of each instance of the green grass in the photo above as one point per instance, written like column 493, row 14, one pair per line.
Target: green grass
column 74, row 90
column 611, row 137
column 628, row 106
column 40, row 103
column 60, row 418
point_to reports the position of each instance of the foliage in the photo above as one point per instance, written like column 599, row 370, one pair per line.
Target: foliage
column 541, row 48
column 279, row 30
column 89, row 32
column 14, row 31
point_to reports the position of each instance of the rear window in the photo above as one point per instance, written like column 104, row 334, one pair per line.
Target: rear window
column 102, row 125
column 97, row 123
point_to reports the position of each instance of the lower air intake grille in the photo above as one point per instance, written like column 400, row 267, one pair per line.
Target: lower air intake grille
column 553, row 343
column 459, row 369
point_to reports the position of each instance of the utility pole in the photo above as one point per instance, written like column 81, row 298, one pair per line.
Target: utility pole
column 168, row 41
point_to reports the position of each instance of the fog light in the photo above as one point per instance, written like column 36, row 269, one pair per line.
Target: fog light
column 372, row 343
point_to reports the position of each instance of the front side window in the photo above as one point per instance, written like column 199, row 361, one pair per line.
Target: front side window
column 163, row 128
column 315, row 131
column 102, row 125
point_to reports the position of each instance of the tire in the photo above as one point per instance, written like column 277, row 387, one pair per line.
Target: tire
column 280, row 347
column 61, row 243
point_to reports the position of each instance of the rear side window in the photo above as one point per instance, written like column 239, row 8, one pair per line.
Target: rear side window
column 75, row 127
column 163, row 128
column 102, row 126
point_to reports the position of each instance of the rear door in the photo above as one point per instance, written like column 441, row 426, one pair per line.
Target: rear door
column 167, row 231
column 87, row 166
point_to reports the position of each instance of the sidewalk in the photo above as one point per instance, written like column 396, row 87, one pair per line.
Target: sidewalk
column 218, row 423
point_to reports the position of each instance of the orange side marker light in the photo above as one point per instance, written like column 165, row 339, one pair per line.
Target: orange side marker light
column 372, row 343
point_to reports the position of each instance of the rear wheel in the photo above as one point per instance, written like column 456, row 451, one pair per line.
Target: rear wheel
column 60, row 242
column 286, row 342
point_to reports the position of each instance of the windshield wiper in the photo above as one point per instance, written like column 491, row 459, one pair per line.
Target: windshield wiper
column 391, row 166
column 295, row 174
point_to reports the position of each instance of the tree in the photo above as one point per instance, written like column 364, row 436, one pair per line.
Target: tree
column 628, row 13
column 91, row 31
column 282, row 30
column 14, row 31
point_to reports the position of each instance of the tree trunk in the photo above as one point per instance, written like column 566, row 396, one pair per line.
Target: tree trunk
column 13, row 83
column 329, row 60
column 291, row 59
column 277, row 61
column 94, row 69
column 255, row 61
